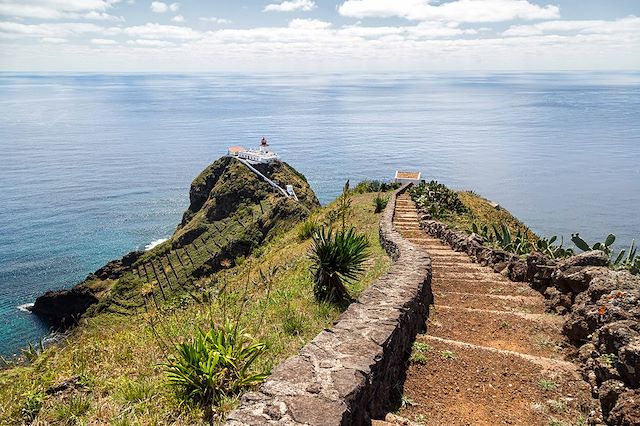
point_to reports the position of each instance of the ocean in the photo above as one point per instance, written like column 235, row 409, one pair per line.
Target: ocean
column 93, row 166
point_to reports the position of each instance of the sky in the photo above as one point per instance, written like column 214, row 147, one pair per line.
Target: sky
column 261, row 36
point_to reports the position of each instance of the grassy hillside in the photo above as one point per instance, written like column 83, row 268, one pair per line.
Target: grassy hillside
column 109, row 371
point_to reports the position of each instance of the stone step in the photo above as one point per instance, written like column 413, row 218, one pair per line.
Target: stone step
column 548, row 364
column 442, row 255
column 526, row 304
column 478, row 275
column 481, row 287
column 462, row 267
column 533, row 334
column 462, row 384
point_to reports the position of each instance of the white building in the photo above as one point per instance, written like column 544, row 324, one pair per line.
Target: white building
column 407, row 177
column 256, row 156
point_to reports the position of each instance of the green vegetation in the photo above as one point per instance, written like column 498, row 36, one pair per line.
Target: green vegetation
column 215, row 364
column 450, row 355
column 629, row 260
column 307, row 228
column 338, row 258
column 547, row 385
column 609, row 360
column 437, row 199
column 380, row 203
column 374, row 186
column 418, row 353
column 150, row 351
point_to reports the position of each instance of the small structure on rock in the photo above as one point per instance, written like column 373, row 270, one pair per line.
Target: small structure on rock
column 261, row 155
column 407, row 177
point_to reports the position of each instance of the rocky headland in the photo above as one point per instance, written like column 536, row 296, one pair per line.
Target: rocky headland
column 232, row 211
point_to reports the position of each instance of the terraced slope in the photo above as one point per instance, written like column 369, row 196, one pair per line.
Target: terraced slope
column 490, row 355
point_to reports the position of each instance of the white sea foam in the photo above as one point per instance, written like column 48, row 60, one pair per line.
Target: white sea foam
column 154, row 243
column 26, row 307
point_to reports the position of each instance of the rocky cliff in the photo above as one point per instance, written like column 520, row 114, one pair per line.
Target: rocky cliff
column 232, row 211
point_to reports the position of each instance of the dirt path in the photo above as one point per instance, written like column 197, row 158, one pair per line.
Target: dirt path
column 491, row 355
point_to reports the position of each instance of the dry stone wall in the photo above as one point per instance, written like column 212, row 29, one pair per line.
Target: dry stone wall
column 348, row 374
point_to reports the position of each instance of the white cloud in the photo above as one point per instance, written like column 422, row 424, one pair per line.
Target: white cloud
column 177, row 18
column 159, row 31
column 216, row 20
column 151, row 43
column 458, row 10
column 290, row 6
column 629, row 24
column 58, row 9
column 309, row 24
column 103, row 41
column 159, row 7
column 52, row 30
column 53, row 40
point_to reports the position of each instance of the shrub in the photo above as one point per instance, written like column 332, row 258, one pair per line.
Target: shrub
column 214, row 365
column 437, row 199
column 307, row 228
column 31, row 406
column 294, row 322
column 337, row 260
column 73, row 410
column 380, row 203
column 374, row 186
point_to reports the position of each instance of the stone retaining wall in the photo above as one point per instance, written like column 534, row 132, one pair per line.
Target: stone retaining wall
column 348, row 374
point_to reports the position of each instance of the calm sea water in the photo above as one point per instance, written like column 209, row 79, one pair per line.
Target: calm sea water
column 93, row 166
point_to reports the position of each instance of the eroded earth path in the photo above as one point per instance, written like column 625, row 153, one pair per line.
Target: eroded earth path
column 491, row 355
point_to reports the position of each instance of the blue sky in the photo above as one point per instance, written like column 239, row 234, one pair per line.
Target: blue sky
column 325, row 35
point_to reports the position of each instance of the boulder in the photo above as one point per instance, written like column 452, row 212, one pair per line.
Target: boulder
column 626, row 412
column 64, row 307
column 629, row 362
column 608, row 393
column 517, row 270
column 557, row 301
column 613, row 336
column 589, row 258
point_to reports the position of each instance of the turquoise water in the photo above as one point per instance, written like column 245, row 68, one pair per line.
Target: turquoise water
column 94, row 166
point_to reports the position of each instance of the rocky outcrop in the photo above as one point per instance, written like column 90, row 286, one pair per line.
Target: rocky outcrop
column 347, row 375
column 63, row 308
column 601, row 308
column 231, row 213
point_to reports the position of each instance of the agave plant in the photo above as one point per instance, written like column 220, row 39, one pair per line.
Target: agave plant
column 483, row 231
column 215, row 364
column 337, row 259
column 632, row 260
column 518, row 244
column 379, row 203
column 546, row 247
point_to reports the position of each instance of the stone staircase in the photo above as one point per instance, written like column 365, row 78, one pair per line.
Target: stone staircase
column 491, row 355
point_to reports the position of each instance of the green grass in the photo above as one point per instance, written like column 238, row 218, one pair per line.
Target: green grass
column 118, row 358
column 547, row 385
column 450, row 355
